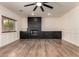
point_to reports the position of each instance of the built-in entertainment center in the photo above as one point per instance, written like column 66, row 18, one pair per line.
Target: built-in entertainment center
column 34, row 30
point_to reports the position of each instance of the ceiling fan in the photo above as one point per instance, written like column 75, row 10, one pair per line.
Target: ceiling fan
column 39, row 4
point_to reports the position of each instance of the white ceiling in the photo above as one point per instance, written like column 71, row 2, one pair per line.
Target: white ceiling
column 60, row 8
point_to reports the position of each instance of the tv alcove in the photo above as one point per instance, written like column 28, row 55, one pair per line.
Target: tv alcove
column 34, row 31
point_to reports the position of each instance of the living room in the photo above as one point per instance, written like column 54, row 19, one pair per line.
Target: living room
column 58, row 22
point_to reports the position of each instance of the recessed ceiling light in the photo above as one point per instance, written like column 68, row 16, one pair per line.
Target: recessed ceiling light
column 48, row 14
column 33, row 14
column 38, row 4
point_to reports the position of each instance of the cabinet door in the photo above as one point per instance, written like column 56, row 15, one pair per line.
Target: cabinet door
column 23, row 35
column 51, row 35
column 57, row 35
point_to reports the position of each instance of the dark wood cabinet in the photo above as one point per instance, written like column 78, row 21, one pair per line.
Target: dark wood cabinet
column 34, row 27
column 34, row 23
column 34, row 30
column 42, row 35
column 23, row 35
column 51, row 34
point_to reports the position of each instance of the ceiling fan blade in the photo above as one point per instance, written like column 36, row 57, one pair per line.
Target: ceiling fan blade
column 29, row 5
column 35, row 8
column 47, row 6
column 42, row 8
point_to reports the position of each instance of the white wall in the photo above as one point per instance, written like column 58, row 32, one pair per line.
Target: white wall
column 70, row 26
column 24, row 24
column 51, row 24
column 6, row 38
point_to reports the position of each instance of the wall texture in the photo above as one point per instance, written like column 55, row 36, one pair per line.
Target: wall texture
column 6, row 38
column 51, row 24
column 23, row 24
column 70, row 26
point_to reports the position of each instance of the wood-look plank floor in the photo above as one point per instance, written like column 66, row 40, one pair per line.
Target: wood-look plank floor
column 39, row 48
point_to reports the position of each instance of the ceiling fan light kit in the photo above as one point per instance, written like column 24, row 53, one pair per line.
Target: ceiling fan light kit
column 39, row 4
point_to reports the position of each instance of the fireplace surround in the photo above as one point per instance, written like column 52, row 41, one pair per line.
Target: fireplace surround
column 34, row 30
